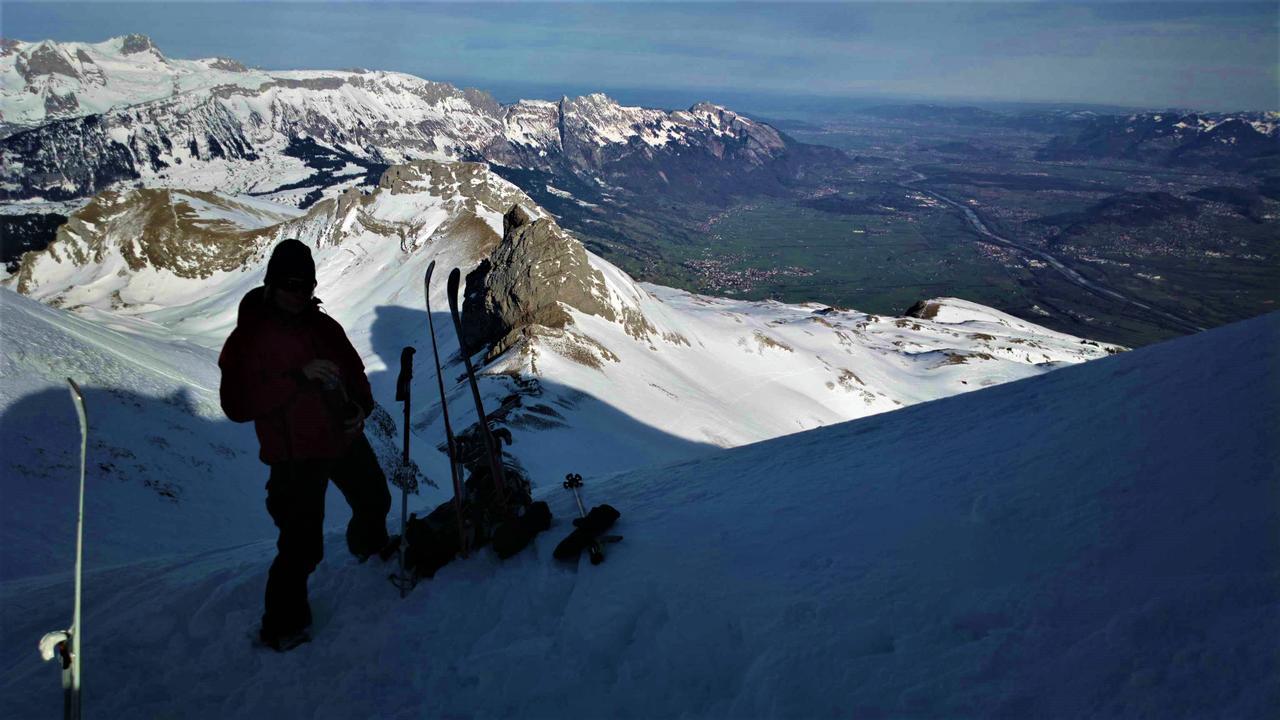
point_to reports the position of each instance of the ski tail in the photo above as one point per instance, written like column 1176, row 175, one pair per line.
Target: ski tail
column 454, row 474
column 495, row 463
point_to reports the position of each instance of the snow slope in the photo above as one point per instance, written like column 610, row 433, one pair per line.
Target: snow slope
column 669, row 375
column 169, row 475
column 1100, row 541
column 158, row 432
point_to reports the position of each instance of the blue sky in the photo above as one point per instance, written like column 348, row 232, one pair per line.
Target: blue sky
column 1203, row 55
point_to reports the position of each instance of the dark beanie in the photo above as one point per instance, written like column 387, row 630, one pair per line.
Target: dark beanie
column 290, row 260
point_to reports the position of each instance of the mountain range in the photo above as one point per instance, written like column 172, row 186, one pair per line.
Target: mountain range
column 80, row 118
column 1246, row 142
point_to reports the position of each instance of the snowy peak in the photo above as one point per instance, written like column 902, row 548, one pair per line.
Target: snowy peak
column 48, row 80
column 48, row 58
column 1227, row 140
column 99, row 116
column 224, row 64
column 534, row 124
column 597, row 120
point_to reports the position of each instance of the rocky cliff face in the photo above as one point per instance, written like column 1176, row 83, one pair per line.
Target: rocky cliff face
column 529, row 279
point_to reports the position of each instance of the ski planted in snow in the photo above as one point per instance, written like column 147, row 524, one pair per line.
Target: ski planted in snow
column 455, row 471
column 495, row 460
column 65, row 644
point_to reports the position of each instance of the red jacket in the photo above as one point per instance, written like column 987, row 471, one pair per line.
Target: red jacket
column 262, row 381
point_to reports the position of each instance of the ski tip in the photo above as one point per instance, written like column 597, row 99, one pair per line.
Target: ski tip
column 430, row 269
column 77, row 397
column 455, row 275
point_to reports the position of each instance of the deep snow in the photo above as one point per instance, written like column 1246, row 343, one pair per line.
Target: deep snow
column 1100, row 541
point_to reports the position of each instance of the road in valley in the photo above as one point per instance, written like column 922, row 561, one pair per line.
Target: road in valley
column 1070, row 274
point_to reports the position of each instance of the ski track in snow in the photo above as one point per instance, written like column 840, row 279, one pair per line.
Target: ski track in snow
column 1095, row 542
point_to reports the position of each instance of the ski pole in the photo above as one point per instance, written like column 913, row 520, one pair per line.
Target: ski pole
column 573, row 481
column 402, row 395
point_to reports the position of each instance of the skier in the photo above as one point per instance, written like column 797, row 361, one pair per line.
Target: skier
column 291, row 370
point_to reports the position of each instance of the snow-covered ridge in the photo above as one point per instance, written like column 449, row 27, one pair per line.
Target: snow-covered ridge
column 1191, row 124
column 47, row 80
column 99, row 117
column 636, row 372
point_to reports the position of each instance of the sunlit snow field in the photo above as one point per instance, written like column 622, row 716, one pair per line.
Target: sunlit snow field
column 1098, row 541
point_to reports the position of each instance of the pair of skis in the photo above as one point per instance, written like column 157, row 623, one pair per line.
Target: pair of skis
column 501, row 491
column 589, row 526
column 455, row 461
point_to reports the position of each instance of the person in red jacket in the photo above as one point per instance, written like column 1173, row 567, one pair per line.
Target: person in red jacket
column 290, row 369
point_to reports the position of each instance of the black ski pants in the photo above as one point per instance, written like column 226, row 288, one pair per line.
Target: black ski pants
column 295, row 499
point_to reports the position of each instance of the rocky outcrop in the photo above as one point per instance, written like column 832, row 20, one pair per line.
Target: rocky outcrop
column 149, row 228
column 56, row 104
column 46, row 59
column 137, row 43
column 228, row 65
column 924, row 310
column 530, row 278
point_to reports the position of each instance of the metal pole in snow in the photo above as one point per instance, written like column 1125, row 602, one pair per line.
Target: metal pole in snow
column 402, row 394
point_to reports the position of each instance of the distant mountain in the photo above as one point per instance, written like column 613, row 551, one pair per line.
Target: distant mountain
column 956, row 114
column 1243, row 142
column 46, row 81
column 1248, row 202
column 1048, row 121
column 82, row 118
column 1129, row 209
